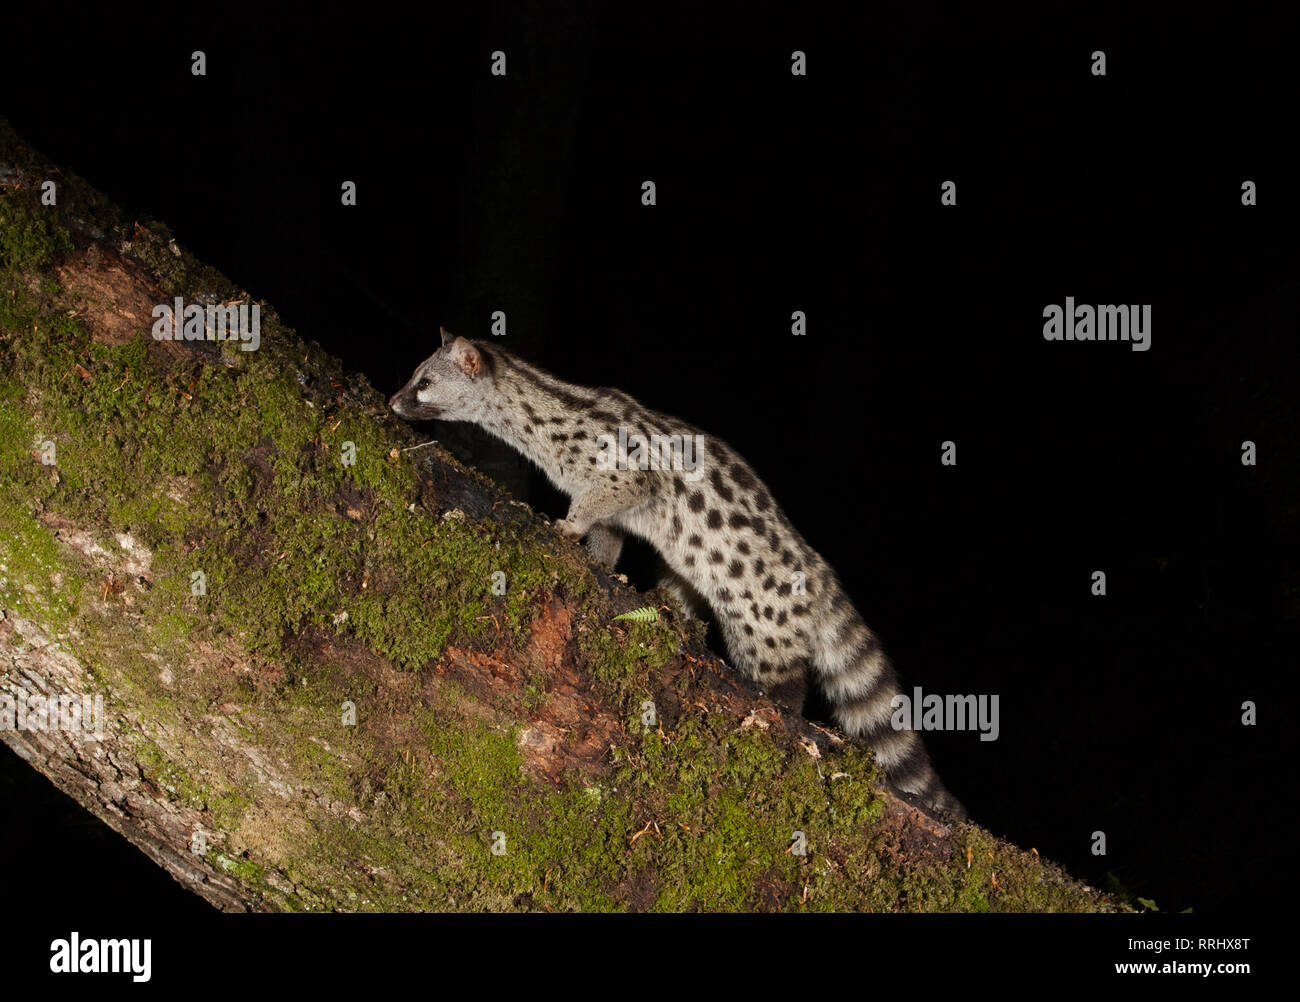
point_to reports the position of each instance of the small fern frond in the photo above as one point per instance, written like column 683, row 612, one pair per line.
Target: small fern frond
column 647, row 615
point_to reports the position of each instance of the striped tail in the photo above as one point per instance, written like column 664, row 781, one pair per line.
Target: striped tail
column 860, row 684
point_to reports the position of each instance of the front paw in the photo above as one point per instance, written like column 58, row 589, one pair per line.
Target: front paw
column 568, row 530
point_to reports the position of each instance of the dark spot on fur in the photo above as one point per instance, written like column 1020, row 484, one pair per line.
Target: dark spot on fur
column 720, row 485
column 694, row 540
column 735, row 568
column 770, row 642
column 781, row 617
column 784, row 590
column 742, row 477
column 737, row 521
column 742, row 548
column 714, row 519
column 715, row 557
column 769, row 583
column 758, row 566
column 677, row 526
column 696, row 501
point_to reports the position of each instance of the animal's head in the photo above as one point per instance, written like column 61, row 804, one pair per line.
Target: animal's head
column 447, row 385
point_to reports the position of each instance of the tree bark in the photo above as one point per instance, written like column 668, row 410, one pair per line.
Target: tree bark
column 342, row 673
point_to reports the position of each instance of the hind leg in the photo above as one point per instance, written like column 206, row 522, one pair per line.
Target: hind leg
column 691, row 601
column 786, row 683
column 783, row 679
column 779, row 671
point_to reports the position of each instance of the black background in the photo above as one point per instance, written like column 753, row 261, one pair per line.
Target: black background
column 776, row 193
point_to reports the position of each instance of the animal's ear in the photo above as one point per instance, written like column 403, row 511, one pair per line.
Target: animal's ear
column 467, row 358
column 446, row 338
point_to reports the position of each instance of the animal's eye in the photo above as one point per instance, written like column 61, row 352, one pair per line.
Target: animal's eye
column 423, row 384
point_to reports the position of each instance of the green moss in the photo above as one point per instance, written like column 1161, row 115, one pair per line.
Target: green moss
column 247, row 872
column 30, row 236
column 719, row 823
column 560, row 855
column 621, row 656
column 235, row 458
column 34, row 573
column 151, row 244
column 226, row 806
column 734, row 805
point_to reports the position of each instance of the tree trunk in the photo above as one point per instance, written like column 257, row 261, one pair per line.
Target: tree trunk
column 339, row 673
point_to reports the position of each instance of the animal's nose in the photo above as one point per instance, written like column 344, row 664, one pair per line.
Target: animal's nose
column 392, row 401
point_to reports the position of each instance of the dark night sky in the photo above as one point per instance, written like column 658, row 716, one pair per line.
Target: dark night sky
column 822, row 194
